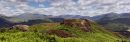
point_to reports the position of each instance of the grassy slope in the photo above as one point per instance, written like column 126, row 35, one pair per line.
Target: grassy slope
column 97, row 35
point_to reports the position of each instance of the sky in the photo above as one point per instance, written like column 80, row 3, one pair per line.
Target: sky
column 64, row 7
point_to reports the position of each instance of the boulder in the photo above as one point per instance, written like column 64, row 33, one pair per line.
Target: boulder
column 21, row 27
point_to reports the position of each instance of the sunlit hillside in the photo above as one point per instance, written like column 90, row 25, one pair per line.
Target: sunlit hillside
column 39, row 33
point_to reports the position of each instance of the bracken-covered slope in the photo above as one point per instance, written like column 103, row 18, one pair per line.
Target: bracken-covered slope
column 55, row 32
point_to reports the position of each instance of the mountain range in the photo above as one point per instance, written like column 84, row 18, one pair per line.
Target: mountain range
column 111, row 21
column 114, row 21
column 104, row 19
column 30, row 16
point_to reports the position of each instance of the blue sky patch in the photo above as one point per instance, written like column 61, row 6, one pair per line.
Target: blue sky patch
column 44, row 4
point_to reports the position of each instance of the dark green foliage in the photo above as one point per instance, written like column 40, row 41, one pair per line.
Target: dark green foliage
column 116, row 27
column 56, row 19
column 125, row 21
column 4, row 23
column 37, row 21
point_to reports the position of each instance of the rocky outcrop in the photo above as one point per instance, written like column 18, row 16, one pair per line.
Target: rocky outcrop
column 83, row 24
column 21, row 27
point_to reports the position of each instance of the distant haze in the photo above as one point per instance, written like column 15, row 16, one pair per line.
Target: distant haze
column 64, row 7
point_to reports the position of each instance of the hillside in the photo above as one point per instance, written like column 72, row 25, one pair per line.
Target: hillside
column 29, row 19
column 30, row 16
column 4, row 22
column 112, row 17
column 33, row 16
column 114, row 21
column 55, row 32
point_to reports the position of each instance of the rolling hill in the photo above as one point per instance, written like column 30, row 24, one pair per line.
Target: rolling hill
column 30, row 16
column 115, row 22
column 4, row 22
column 112, row 17
column 49, row 32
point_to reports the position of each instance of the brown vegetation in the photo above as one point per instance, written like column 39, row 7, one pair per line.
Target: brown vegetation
column 60, row 33
column 83, row 24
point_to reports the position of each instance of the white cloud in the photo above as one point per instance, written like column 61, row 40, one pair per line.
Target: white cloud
column 60, row 7
column 39, row 0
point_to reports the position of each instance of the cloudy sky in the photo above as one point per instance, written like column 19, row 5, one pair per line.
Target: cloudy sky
column 63, row 7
